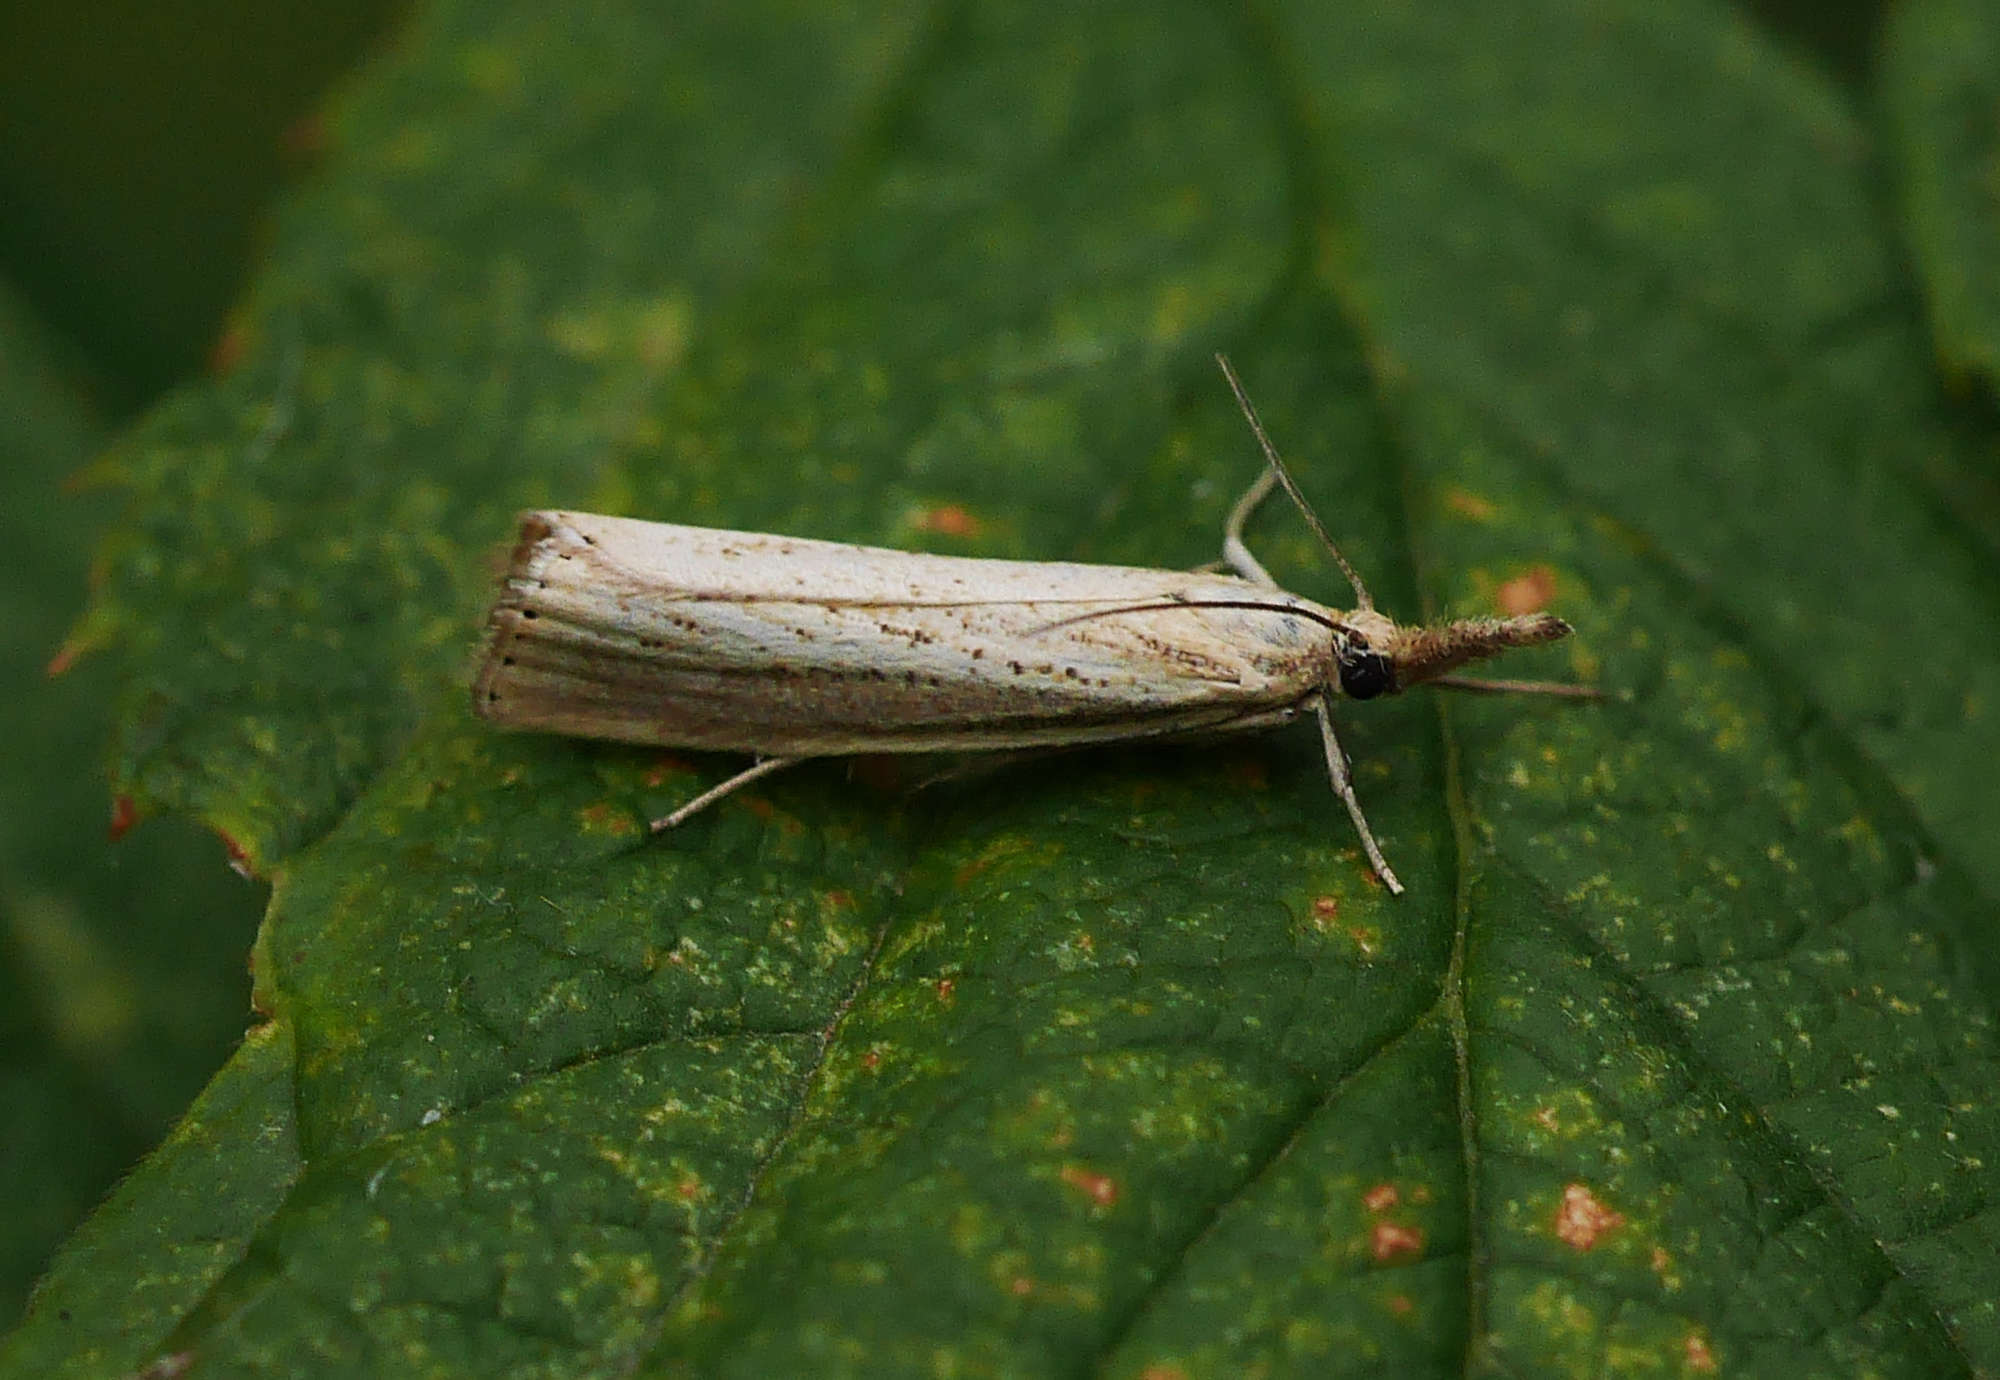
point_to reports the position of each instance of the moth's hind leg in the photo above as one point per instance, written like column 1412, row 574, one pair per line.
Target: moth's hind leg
column 1343, row 786
column 729, row 787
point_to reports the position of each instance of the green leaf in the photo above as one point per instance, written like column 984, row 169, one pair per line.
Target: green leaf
column 1941, row 94
column 1677, row 1058
column 121, row 964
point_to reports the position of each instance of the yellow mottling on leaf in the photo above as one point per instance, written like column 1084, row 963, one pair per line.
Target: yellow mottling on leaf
column 653, row 332
column 1469, row 505
column 492, row 70
column 1859, row 832
column 1559, row 1312
column 1172, row 314
column 868, row 1273
column 661, row 329
column 414, row 149
column 582, row 334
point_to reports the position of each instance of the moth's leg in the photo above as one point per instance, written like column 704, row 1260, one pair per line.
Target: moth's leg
column 1234, row 553
column 1336, row 768
column 1481, row 685
column 715, row 793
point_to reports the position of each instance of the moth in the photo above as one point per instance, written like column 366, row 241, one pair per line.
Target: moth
column 789, row 648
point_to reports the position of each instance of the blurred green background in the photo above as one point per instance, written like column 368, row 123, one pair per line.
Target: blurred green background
column 138, row 149
column 138, row 146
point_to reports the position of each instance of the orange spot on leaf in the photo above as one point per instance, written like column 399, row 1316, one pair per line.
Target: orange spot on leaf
column 1582, row 1219
column 1381, row 1198
column 124, row 814
column 239, row 856
column 66, row 656
column 228, row 350
column 946, row 987
column 304, row 140
column 1390, row 1242
column 604, row 819
column 1102, row 1189
column 1528, row 593
column 949, row 520
column 1326, row 909
column 1400, row 1304
column 1022, row 1286
column 1699, row 1357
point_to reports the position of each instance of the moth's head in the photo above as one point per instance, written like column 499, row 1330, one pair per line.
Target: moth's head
column 1378, row 656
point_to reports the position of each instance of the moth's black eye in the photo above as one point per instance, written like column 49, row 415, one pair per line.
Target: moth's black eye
column 1365, row 674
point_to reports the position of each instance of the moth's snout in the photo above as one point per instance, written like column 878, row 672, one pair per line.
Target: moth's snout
column 1421, row 654
column 1531, row 628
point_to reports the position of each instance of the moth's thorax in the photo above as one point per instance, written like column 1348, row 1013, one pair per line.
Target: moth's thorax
column 1374, row 628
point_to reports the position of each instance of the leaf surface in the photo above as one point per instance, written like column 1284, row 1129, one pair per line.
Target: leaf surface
column 1941, row 96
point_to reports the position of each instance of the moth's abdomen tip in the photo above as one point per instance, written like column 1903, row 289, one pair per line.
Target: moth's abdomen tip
column 508, row 625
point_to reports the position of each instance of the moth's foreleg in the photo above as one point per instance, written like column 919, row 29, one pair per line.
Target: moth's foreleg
column 1343, row 786
column 715, row 793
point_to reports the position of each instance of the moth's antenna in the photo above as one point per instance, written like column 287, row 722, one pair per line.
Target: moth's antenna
column 1291, row 488
column 1254, row 605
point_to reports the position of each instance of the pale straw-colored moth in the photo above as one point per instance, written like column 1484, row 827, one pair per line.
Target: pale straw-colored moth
column 789, row 649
